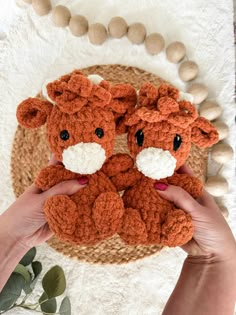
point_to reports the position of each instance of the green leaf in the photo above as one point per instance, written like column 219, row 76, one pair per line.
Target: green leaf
column 23, row 271
column 29, row 257
column 54, row 282
column 43, row 297
column 27, row 288
column 49, row 306
column 37, row 268
column 65, row 308
column 11, row 291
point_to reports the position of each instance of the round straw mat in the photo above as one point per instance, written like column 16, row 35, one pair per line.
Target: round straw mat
column 30, row 153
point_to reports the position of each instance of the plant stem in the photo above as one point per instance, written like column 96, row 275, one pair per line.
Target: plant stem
column 28, row 307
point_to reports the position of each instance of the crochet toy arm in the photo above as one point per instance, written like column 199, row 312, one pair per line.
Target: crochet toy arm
column 191, row 184
column 120, row 169
column 52, row 175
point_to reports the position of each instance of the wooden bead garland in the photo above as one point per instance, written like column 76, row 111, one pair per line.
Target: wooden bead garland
column 175, row 52
column 188, row 70
column 154, row 43
column 216, row 185
column 97, row 33
column 222, row 128
column 136, row 33
column 210, row 110
column 61, row 16
column 117, row 27
column 222, row 153
column 41, row 7
column 78, row 25
column 199, row 92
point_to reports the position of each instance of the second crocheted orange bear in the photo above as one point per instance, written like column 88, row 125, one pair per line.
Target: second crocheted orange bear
column 80, row 132
column 160, row 132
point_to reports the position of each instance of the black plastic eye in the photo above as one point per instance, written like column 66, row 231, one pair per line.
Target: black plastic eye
column 99, row 132
column 139, row 137
column 64, row 135
column 177, row 142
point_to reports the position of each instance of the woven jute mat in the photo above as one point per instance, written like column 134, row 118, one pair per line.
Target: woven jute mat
column 30, row 153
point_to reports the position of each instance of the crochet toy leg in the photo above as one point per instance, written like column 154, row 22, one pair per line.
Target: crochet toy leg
column 133, row 229
column 61, row 213
column 107, row 212
column 176, row 229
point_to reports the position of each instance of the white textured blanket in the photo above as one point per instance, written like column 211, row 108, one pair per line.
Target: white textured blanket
column 32, row 50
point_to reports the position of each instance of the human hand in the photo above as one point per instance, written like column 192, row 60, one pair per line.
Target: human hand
column 212, row 237
column 24, row 221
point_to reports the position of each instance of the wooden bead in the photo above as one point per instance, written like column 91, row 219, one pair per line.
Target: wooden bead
column 78, row 25
column 175, row 52
column 222, row 153
column 188, row 70
column 222, row 128
column 210, row 110
column 199, row 92
column 117, row 27
column 224, row 211
column 97, row 33
column 61, row 16
column 136, row 33
column 216, row 185
column 154, row 43
column 41, row 7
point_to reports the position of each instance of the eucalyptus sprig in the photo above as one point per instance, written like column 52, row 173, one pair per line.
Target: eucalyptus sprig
column 24, row 279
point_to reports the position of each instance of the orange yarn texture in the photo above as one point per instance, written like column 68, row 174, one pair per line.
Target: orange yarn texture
column 161, row 122
column 84, row 113
column 95, row 212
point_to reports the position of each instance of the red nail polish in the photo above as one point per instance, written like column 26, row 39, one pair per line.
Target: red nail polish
column 83, row 180
column 160, row 186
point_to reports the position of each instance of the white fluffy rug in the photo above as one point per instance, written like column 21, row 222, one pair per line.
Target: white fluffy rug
column 32, row 50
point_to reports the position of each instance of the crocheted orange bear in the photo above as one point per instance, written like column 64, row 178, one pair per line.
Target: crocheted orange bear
column 80, row 130
column 160, row 132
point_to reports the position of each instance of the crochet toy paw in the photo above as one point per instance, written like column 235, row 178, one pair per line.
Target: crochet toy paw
column 80, row 127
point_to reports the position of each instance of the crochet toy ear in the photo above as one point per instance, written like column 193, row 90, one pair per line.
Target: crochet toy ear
column 121, row 127
column 204, row 134
column 148, row 95
column 33, row 112
column 124, row 98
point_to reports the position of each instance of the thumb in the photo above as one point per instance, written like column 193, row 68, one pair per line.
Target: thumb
column 68, row 187
column 180, row 198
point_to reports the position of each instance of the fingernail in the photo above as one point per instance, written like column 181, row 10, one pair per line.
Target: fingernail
column 160, row 186
column 83, row 180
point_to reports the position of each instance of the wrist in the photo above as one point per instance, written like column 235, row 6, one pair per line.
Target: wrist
column 8, row 235
column 228, row 256
column 11, row 252
column 212, row 263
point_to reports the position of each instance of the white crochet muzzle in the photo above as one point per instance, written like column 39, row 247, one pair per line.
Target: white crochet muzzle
column 155, row 163
column 84, row 158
